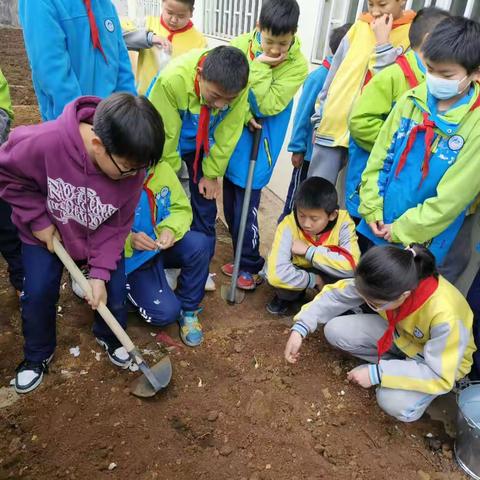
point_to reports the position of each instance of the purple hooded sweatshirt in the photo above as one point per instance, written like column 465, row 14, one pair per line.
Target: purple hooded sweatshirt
column 48, row 178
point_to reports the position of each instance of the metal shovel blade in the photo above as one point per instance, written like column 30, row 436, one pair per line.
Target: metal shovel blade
column 153, row 379
column 232, row 297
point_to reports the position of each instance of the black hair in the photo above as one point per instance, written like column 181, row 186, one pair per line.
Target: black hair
column 337, row 35
column 385, row 272
column 130, row 127
column 425, row 22
column 189, row 3
column 316, row 193
column 456, row 40
column 279, row 16
column 227, row 67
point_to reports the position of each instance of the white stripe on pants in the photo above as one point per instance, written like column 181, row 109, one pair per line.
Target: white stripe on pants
column 358, row 335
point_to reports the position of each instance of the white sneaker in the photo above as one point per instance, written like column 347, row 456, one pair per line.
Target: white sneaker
column 210, row 283
column 172, row 275
column 77, row 289
column 29, row 375
column 117, row 355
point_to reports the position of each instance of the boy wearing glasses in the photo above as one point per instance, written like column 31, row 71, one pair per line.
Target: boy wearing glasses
column 77, row 178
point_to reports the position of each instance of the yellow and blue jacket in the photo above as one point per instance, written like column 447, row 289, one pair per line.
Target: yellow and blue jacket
column 6, row 110
column 173, row 95
column 355, row 62
column 184, row 40
column 270, row 98
column 436, row 337
column 334, row 253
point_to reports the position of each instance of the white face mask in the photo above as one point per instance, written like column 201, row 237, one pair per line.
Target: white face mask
column 443, row 88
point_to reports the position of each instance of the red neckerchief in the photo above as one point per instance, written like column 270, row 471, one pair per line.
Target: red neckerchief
column 151, row 200
column 428, row 127
column 326, row 63
column 407, row 71
column 172, row 33
column 334, row 248
column 426, row 288
column 202, row 141
column 94, row 29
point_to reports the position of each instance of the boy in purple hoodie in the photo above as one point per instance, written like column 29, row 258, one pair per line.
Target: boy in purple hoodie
column 77, row 178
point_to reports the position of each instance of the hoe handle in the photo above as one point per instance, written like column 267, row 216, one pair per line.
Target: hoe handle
column 103, row 310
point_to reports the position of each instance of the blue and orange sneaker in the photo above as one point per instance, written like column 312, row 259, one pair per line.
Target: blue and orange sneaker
column 246, row 280
column 190, row 329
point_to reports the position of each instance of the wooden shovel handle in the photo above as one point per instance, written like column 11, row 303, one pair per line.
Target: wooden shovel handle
column 103, row 310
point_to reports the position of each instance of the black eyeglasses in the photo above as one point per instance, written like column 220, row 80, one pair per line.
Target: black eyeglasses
column 125, row 172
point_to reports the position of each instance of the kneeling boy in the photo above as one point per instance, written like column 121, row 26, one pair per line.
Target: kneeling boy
column 314, row 245
column 160, row 239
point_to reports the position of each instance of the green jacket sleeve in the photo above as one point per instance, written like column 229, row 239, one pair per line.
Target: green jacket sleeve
column 5, row 100
column 180, row 217
column 272, row 95
column 226, row 136
column 373, row 107
column 457, row 189
column 371, row 202
column 163, row 98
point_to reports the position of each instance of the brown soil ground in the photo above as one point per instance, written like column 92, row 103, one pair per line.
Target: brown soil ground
column 234, row 409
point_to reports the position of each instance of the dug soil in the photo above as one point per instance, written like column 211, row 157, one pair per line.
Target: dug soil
column 234, row 409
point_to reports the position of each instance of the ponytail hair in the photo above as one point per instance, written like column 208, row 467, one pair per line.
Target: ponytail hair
column 385, row 272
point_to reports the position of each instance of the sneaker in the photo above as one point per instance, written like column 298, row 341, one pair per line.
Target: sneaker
column 227, row 269
column 29, row 375
column 118, row 355
column 277, row 306
column 249, row 281
column 190, row 329
column 210, row 283
column 172, row 274
column 77, row 289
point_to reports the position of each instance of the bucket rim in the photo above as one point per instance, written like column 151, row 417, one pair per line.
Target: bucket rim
column 471, row 423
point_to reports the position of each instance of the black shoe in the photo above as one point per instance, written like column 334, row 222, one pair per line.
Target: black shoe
column 115, row 352
column 29, row 375
column 277, row 306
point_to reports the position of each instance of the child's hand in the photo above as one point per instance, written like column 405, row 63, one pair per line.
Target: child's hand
column 46, row 236
column 166, row 239
column 299, row 247
column 378, row 229
column 387, row 229
column 360, row 376
column 272, row 61
column 382, row 26
column 253, row 125
column 319, row 282
column 292, row 349
column 163, row 43
column 297, row 159
column 141, row 241
column 209, row 188
column 99, row 293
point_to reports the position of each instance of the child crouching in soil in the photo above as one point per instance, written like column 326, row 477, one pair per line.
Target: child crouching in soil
column 419, row 339
column 77, row 178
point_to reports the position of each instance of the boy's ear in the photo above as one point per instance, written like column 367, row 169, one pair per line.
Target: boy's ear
column 476, row 75
column 333, row 216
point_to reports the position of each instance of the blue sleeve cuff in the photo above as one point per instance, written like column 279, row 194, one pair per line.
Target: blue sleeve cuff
column 300, row 328
column 375, row 374
column 313, row 280
column 150, row 38
column 310, row 253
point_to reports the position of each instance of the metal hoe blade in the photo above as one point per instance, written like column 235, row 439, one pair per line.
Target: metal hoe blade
column 153, row 379
column 232, row 297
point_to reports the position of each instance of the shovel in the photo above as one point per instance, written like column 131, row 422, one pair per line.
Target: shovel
column 153, row 379
column 230, row 293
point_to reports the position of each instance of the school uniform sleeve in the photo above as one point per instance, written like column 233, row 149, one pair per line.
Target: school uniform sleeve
column 385, row 55
column 373, row 107
column 338, row 261
column 47, row 54
column 138, row 39
column 107, row 243
column 332, row 301
column 302, row 125
column 271, row 96
column 125, row 78
column 371, row 202
column 226, row 136
column 457, row 189
column 443, row 353
column 281, row 272
column 181, row 216
column 163, row 97
column 6, row 111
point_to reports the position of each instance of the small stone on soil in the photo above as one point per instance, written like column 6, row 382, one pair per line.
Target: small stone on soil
column 212, row 416
column 226, row 450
